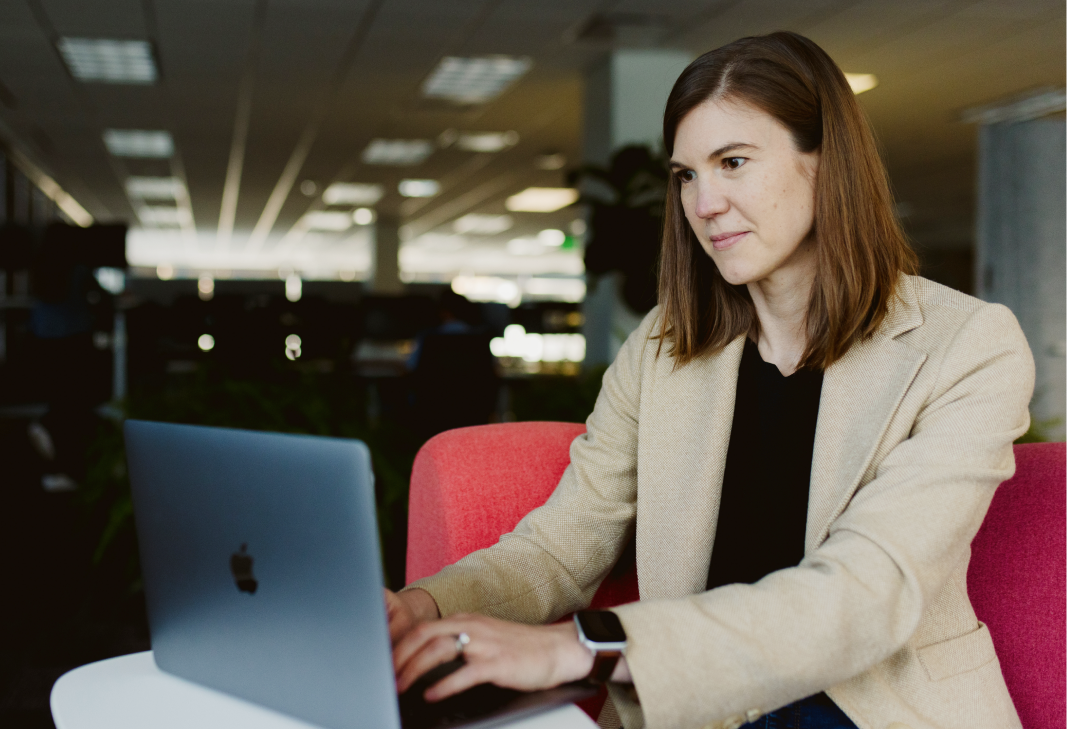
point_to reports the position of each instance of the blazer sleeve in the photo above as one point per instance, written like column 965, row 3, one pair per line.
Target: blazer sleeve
column 857, row 598
column 555, row 559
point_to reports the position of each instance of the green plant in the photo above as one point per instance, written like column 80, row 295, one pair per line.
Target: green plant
column 283, row 401
column 1041, row 431
column 557, row 398
column 626, row 221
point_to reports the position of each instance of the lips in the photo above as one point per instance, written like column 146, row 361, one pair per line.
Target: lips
column 723, row 241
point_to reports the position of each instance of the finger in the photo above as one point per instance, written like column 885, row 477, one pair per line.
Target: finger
column 464, row 678
column 399, row 620
column 412, row 644
column 426, row 632
column 440, row 650
column 399, row 625
column 398, row 628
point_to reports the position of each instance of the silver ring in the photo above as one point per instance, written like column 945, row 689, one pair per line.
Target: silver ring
column 462, row 639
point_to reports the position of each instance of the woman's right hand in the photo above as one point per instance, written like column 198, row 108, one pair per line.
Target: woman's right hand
column 407, row 610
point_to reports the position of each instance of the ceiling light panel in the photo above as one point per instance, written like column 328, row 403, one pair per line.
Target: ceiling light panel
column 400, row 152
column 419, row 188
column 551, row 237
column 109, row 61
column 541, row 200
column 473, row 80
column 352, row 194
column 139, row 143
column 483, row 225
column 525, row 247
column 363, row 216
column 487, row 141
column 861, row 82
column 155, row 188
column 551, row 161
column 327, row 220
column 163, row 215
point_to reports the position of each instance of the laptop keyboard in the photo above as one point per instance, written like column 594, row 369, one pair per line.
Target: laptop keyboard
column 459, row 709
column 483, row 703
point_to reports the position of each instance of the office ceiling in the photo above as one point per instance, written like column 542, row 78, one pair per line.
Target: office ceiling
column 321, row 78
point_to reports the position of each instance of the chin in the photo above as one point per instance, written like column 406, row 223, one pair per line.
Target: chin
column 738, row 276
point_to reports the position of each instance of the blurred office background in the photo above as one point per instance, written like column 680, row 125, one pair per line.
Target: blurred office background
column 385, row 218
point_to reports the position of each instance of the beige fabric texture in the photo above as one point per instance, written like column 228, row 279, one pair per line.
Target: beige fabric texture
column 914, row 434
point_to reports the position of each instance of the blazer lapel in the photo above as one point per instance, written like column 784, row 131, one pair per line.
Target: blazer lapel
column 860, row 394
column 682, row 456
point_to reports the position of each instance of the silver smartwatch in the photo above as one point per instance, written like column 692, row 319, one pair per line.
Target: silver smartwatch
column 601, row 632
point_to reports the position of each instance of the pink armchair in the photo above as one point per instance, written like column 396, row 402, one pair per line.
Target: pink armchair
column 471, row 485
column 1016, row 583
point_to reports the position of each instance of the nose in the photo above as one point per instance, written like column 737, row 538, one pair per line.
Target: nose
column 710, row 201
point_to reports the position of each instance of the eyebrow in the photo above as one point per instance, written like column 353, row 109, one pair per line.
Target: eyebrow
column 725, row 149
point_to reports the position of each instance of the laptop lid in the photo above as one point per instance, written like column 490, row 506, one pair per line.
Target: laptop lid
column 261, row 567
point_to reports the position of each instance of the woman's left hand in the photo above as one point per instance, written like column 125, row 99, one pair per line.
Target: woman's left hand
column 506, row 654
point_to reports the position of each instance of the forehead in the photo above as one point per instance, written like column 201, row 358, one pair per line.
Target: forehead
column 716, row 123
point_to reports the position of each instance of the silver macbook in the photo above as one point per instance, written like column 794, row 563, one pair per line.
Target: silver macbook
column 263, row 578
column 261, row 567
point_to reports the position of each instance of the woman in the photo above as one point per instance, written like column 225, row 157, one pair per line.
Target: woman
column 803, row 438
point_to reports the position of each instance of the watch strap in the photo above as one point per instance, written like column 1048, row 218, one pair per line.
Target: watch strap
column 603, row 665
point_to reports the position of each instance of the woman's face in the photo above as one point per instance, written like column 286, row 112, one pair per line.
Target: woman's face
column 748, row 194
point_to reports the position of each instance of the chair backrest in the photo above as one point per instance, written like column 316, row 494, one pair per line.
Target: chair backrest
column 471, row 485
column 1016, row 582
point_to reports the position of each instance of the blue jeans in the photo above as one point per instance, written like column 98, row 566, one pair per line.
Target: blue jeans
column 817, row 711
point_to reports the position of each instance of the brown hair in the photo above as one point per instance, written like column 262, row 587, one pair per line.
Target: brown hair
column 860, row 247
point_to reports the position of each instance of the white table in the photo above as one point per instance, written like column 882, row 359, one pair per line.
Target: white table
column 132, row 692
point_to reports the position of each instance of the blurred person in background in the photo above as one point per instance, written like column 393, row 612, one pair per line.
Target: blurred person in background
column 803, row 437
column 456, row 314
column 454, row 383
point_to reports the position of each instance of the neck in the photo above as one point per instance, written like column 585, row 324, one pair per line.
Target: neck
column 781, row 302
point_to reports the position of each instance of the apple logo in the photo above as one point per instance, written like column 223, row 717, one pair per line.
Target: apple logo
column 241, row 567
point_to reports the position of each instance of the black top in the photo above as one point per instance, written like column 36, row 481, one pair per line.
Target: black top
column 764, row 505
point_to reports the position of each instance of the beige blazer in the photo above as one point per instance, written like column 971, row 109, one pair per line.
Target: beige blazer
column 914, row 434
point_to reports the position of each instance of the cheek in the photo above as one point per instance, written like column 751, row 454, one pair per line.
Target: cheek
column 805, row 212
column 795, row 208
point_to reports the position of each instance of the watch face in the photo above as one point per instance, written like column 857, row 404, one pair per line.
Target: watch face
column 601, row 627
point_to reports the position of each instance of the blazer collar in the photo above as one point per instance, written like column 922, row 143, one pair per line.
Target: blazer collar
column 904, row 313
column 860, row 394
column 685, row 435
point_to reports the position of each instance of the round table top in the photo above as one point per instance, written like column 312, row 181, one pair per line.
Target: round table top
column 132, row 692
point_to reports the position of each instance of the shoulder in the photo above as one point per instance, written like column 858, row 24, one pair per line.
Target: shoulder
column 931, row 316
column 650, row 325
column 643, row 339
column 936, row 302
column 964, row 338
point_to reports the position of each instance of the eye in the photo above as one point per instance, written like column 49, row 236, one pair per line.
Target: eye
column 732, row 163
column 685, row 176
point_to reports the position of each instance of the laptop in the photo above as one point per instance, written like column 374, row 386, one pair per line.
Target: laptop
column 263, row 578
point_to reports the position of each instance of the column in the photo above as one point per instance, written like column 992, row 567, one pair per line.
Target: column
column 385, row 258
column 624, row 100
column 118, row 350
column 4, row 263
column 1021, row 255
